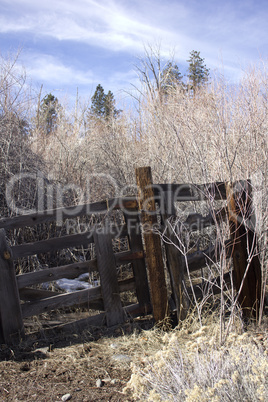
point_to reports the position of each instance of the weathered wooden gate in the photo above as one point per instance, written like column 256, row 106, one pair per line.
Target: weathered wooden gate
column 19, row 297
column 148, row 218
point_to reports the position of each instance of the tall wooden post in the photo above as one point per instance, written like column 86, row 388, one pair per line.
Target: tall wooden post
column 152, row 243
column 139, row 266
column 108, row 276
column 175, row 260
column 11, row 327
column 244, row 242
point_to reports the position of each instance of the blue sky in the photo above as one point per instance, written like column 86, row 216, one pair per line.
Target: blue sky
column 69, row 44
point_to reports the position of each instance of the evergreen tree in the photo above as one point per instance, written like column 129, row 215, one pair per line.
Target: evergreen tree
column 109, row 105
column 170, row 77
column 98, row 102
column 49, row 108
column 198, row 73
column 102, row 105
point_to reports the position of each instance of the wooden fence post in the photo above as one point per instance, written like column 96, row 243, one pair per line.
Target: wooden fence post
column 175, row 261
column 139, row 266
column 108, row 277
column 244, row 243
column 12, row 328
column 152, row 243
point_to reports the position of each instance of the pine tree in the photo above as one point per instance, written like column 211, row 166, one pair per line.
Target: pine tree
column 198, row 73
column 102, row 105
column 98, row 102
column 109, row 106
column 170, row 77
column 49, row 114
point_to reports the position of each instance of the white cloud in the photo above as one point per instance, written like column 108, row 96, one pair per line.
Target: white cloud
column 124, row 25
column 107, row 24
column 236, row 29
column 46, row 68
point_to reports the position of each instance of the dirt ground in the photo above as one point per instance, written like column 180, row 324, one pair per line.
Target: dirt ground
column 91, row 366
column 94, row 365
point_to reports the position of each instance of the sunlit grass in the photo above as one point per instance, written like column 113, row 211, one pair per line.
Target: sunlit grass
column 191, row 365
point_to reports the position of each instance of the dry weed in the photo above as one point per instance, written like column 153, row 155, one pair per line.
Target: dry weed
column 190, row 364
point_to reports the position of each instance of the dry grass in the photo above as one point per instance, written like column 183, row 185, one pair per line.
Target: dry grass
column 190, row 364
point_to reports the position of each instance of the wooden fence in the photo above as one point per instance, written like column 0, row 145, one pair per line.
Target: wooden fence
column 235, row 207
column 19, row 297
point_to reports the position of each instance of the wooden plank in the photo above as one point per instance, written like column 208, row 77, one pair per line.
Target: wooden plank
column 125, row 257
column 30, row 294
column 70, row 299
column 60, row 301
column 175, row 259
column 108, row 276
column 152, row 243
column 72, row 271
column 77, row 326
column 138, row 266
column 211, row 254
column 196, row 222
column 52, row 274
column 60, row 214
column 60, row 243
column 12, row 328
column 126, row 284
column 53, row 244
column 201, row 291
column 192, row 192
column 97, row 321
column 247, row 275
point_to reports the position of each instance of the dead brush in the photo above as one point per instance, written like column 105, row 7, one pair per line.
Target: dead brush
column 191, row 364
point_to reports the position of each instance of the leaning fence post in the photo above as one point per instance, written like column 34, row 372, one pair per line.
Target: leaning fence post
column 12, row 328
column 247, row 269
column 152, row 242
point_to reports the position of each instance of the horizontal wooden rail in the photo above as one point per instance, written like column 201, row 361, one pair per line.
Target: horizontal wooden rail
column 70, row 299
column 93, row 321
column 102, row 207
column 211, row 254
column 60, row 301
column 60, row 243
column 31, row 295
column 72, row 271
column 192, row 192
column 196, row 222
column 52, row 244
column 202, row 289
column 125, row 257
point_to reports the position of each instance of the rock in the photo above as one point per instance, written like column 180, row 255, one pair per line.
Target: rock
column 99, row 383
column 41, row 353
column 115, row 381
column 122, row 358
column 66, row 397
